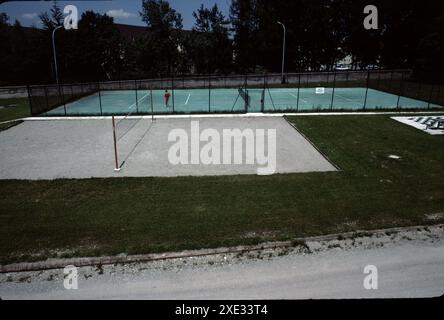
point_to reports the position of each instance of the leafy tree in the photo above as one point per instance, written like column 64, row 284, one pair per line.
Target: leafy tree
column 244, row 21
column 53, row 20
column 163, row 36
column 209, row 45
column 4, row 18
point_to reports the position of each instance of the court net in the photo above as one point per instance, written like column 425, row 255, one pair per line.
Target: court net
column 128, row 133
column 244, row 95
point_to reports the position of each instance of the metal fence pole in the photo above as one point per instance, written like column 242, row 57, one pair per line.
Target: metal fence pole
column 366, row 89
column 400, row 91
column 379, row 79
column 151, row 99
column 137, row 97
column 299, row 89
column 100, row 99
column 209, row 93
column 430, row 97
column 333, row 92
column 29, row 100
column 438, row 94
column 418, row 94
column 391, row 82
column 172, row 89
column 46, row 97
column 62, row 96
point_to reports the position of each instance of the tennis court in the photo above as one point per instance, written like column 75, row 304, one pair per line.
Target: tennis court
column 232, row 100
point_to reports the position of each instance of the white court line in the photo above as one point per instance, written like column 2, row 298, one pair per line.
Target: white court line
column 351, row 100
column 138, row 101
column 299, row 98
column 189, row 95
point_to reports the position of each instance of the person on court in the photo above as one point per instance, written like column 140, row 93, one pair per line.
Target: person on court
column 167, row 96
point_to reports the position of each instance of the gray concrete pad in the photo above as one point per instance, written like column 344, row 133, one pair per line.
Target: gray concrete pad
column 52, row 149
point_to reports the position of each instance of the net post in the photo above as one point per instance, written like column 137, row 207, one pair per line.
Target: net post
column 116, row 160
column 46, row 97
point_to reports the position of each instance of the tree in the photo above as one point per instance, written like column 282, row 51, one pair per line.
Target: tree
column 243, row 16
column 209, row 45
column 4, row 18
column 93, row 52
column 163, row 36
column 54, row 20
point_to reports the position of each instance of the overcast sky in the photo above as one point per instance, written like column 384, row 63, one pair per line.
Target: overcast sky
column 123, row 11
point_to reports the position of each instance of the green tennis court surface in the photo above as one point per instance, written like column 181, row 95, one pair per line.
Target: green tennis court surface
column 231, row 100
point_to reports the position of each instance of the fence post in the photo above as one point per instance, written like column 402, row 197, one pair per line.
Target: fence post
column 137, row 97
column 172, row 89
column 263, row 94
column 151, row 99
column 333, row 92
column 100, row 99
column 419, row 90
column 46, row 98
column 299, row 89
column 29, row 100
column 400, row 91
column 62, row 96
column 379, row 79
column 209, row 93
column 430, row 97
column 366, row 89
column 391, row 82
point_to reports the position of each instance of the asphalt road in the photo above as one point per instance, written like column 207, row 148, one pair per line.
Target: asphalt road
column 408, row 269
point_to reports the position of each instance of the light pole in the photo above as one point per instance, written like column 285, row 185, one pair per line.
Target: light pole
column 54, row 53
column 283, row 52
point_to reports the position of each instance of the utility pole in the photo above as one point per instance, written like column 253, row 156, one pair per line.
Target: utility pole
column 55, row 54
column 283, row 52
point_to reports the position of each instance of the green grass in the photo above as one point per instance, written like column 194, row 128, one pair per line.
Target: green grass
column 141, row 215
column 14, row 108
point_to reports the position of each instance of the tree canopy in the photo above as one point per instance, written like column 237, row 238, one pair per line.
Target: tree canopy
column 319, row 33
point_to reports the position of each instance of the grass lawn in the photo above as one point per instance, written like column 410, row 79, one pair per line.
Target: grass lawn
column 13, row 108
column 39, row 219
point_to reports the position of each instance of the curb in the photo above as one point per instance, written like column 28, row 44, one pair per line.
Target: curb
column 124, row 259
column 228, row 115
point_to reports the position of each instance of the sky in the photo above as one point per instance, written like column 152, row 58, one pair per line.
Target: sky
column 123, row 11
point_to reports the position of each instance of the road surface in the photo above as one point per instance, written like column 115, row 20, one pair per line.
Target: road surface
column 406, row 268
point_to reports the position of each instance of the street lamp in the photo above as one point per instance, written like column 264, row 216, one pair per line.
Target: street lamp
column 54, row 53
column 283, row 53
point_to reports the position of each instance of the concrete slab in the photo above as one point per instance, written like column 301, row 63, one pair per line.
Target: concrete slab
column 82, row 148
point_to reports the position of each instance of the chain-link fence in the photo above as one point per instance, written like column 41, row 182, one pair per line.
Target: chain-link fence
column 295, row 92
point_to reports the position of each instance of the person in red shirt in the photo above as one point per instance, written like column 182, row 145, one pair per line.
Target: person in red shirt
column 167, row 96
